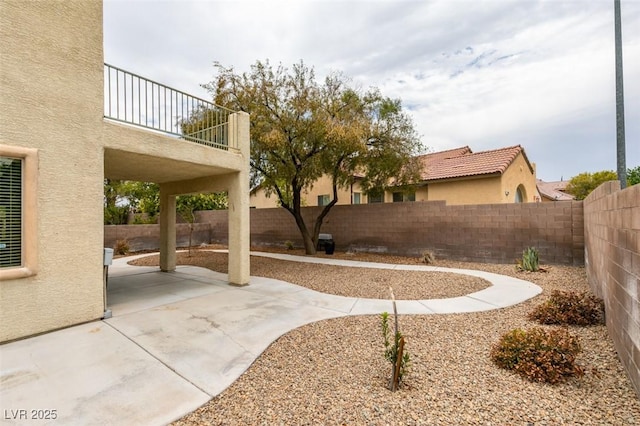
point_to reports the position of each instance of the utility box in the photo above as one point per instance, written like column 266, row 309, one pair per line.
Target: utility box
column 107, row 259
column 108, row 256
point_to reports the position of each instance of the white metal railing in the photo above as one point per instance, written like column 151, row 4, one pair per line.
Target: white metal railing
column 132, row 99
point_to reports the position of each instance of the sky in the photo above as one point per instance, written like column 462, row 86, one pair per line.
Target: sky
column 487, row 74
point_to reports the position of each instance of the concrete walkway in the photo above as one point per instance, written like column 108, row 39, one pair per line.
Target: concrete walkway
column 178, row 339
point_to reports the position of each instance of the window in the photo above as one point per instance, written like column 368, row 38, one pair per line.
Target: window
column 323, row 200
column 521, row 196
column 10, row 212
column 399, row 197
column 356, row 198
column 376, row 197
column 18, row 244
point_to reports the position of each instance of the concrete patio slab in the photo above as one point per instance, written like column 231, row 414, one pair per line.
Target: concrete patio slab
column 90, row 374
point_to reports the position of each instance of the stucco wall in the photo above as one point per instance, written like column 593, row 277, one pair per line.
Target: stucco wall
column 488, row 233
column 310, row 198
column 51, row 100
column 471, row 191
column 612, row 243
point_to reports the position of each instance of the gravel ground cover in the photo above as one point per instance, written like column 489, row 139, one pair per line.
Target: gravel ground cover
column 342, row 281
column 333, row 372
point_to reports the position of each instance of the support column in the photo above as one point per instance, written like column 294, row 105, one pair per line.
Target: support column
column 239, row 217
column 167, row 231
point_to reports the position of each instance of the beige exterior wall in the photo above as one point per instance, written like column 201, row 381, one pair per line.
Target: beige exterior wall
column 517, row 174
column 485, row 190
column 51, row 88
column 322, row 186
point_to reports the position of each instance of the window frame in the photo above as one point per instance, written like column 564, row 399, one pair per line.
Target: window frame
column 406, row 197
column 324, row 200
column 29, row 248
column 375, row 197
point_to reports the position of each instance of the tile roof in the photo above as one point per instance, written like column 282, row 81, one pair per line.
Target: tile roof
column 554, row 190
column 462, row 162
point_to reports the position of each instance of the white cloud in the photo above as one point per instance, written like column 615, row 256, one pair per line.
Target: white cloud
column 480, row 73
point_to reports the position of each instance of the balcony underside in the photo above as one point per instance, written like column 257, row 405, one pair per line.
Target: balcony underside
column 142, row 155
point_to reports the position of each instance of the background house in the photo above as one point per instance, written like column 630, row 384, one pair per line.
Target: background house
column 68, row 123
column 554, row 191
column 457, row 176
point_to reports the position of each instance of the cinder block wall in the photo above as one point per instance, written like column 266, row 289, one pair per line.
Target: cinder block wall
column 494, row 233
column 147, row 237
column 612, row 239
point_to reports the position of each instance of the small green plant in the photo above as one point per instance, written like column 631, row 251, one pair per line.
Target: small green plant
column 569, row 308
column 539, row 355
column 529, row 260
column 122, row 247
column 288, row 244
column 394, row 351
column 428, row 257
column 144, row 219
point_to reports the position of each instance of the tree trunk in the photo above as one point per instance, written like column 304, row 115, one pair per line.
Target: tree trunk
column 307, row 239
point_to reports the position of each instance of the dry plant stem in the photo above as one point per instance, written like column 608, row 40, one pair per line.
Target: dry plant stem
column 396, row 372
column 394, row 368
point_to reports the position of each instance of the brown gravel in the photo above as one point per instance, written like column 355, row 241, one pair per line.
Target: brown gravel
column 333, row 373
column 343, row 281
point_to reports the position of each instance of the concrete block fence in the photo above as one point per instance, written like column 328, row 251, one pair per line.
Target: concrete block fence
column 495, row 233
column 612, row 238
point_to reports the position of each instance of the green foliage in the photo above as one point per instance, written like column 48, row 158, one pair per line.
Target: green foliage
column 633, row 176
column 187, row 205
column 116, row 215
column 580, row 186
column 140, row 197
column 569, row 308
column 122, row 247
column 529, row 262
column 143, row 198
column 144, row 219
column 539, row 355
column 289, row 245
column 302, row 129
column 391, row 349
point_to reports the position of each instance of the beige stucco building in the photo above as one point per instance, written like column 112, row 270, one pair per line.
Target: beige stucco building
column 458, row 176
column 57, row 146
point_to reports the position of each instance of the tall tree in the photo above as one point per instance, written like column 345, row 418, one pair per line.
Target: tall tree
column 580, row 186
column 633, row 176
column 302, row 130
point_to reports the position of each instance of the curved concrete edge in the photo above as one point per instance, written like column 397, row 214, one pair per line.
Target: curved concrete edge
column 504, row 291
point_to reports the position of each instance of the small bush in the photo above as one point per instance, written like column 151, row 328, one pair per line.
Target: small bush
column 539, row 355
column 530, row 261
column 122, row 247
column 428, row 257
column 289, row 245
column 569, row 308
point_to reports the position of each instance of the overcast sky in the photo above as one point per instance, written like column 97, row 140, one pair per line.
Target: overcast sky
column 487, row 74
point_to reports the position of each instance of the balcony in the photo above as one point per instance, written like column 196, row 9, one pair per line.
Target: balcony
column 138, row 101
